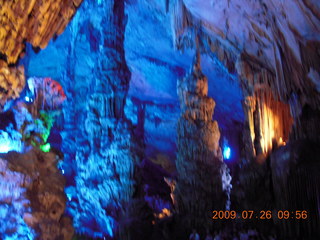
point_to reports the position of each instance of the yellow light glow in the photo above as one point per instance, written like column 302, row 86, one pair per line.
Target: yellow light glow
column 165, row 213
column 281, row 142
column 274, row 119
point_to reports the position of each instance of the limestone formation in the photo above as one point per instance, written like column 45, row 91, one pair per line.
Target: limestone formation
column 36, row 22
column 100, row 152
column 32, row 21
column 199, row 163
column 271, row 45
column 35, row 196
column 14, row 203
column 268, row 43
column 12, row 81
column 269, row 121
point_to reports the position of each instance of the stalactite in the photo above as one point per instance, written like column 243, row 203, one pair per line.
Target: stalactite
column 248, row 129
column 32, row 21
column 273, row 51
column 296, row 93
column 270, row 120
column 257, row 129
column 181, row 22
column 199, row 163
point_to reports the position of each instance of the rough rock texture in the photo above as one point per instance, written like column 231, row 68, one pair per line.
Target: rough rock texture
column 97, row 139
column 45, row 94
column 32, row 21
column 12, row 81
column 269, row 42
column 155, row 66
column 24, row 21
column 14, row 203
column 36, row 195
column 229, row 29
column 199, row 163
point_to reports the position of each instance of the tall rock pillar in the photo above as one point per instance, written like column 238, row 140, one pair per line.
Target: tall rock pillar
column 103, row 163
column 200, row 188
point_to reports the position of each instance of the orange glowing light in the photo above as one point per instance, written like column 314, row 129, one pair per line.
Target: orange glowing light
column 165, row 213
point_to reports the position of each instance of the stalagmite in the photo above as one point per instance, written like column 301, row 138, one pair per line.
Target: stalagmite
column 118, row 153
column 199, row 163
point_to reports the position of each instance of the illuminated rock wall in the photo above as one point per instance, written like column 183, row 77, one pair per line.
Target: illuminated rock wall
column 97, row 139
column 199, row 163
column 267, row 42
column 33, row 187
column 271, row 45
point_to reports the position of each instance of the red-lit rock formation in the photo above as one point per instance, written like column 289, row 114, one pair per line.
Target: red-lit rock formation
column 30, row 21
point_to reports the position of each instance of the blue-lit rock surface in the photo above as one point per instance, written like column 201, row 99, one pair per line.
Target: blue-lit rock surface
column 97, row 141
column 14, row 204
column 97, row 159
column 105, row 114
column 154, row 64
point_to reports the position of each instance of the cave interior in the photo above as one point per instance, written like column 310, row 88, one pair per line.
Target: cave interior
column 159, row 119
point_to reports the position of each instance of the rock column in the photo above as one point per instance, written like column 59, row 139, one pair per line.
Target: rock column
column 104, row 162
column 200, row 188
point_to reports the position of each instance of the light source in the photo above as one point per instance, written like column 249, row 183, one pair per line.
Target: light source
column 226, row 152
